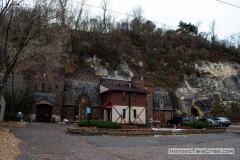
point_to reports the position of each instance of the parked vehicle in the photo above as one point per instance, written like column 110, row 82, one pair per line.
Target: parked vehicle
column 208, row 120
column 223, row 121
column 178, row 120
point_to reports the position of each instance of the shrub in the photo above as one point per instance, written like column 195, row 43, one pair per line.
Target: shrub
column 105, row 124
column 92, row 123
column 198, row 125
column 100, row 124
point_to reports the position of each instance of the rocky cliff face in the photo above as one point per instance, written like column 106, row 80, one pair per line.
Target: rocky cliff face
column 122, row 71
column 217, row 82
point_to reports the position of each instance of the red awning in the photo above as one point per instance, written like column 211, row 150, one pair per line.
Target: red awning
column 107, row 105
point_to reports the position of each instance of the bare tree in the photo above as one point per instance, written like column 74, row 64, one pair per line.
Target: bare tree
column 63, row 10
column 235, row 39
column 105, row 5
column 82, row 3
column 19, row 26
column 213, row 33
column 138, row 13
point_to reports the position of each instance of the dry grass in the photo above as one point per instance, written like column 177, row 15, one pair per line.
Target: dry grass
column 8, row 145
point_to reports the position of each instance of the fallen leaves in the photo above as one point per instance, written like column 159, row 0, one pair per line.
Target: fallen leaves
column 8, row 145
column 12, row 124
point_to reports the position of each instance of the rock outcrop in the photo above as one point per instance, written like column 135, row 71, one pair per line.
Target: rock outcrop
column 122, row 71
column 217, row 82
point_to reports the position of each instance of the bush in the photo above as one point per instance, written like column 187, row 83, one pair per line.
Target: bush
column 105, row 124
column 100, row 124
column 92, row 123
column 198, row 125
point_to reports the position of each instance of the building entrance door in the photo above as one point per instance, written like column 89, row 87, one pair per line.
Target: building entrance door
column 108, row 115
column 44, row 113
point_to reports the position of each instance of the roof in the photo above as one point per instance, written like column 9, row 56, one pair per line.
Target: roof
column 121, row 87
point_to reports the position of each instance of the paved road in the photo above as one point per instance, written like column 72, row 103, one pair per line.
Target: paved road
column 234, row 129
column 50, row 141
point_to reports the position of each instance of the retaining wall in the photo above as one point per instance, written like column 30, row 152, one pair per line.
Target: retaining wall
column 142, row 132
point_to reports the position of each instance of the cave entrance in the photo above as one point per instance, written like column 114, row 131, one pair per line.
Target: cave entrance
column 196, row 111
column 44, row 113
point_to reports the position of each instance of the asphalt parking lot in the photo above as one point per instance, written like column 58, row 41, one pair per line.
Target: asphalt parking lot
column 50, row 141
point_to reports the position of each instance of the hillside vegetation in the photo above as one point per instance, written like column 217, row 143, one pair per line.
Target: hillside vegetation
column 50, row 32
column 166, row 56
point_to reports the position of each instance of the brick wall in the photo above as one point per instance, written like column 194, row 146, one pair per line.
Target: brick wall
column 159, row 116
column 97, row 112
column 162, row 116
column 148, row 86
column 68, row 112
column 49, row 79
column 168, row 115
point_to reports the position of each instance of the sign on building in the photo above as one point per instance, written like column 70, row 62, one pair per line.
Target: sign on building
column 44, row 95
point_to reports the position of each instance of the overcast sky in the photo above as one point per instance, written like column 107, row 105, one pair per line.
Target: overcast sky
column 171, row 12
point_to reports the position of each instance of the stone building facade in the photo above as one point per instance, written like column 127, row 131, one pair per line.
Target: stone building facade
column 60, row 95
column 162, row 105
column 48, row 87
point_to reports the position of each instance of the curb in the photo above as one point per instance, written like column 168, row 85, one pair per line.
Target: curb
column 142, row 132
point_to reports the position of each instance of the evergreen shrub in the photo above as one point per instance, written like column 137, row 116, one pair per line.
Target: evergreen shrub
column 198, row 125
column 100, row 124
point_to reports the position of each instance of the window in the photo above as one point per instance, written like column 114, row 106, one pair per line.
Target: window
column 124, row 115
column 134, row 97
column 35, row 86
column 124, row 96
column 50, row 86
column 161, row 104
column 134, row 113
column 56, row 86
column 42, row 85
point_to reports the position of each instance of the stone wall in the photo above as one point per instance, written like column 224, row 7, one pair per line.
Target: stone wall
column 50, row 79
column 20, row 82
column 142, row 132
column 161, row 99
column 217, row 82
column 73, row 89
